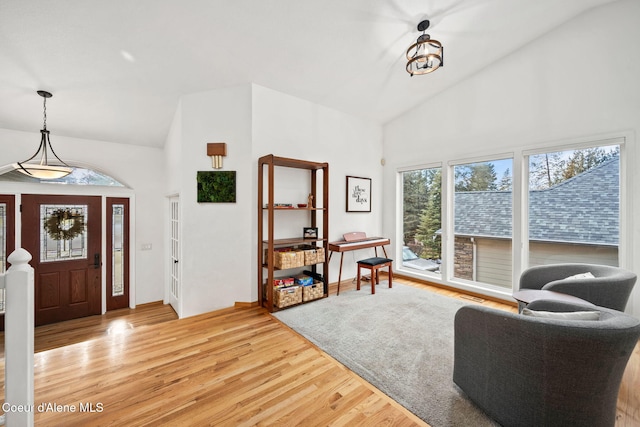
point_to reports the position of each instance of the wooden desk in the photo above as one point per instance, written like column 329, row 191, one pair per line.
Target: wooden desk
column 343, row 246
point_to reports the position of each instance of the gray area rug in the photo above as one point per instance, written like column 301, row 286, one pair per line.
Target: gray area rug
column 400, row 340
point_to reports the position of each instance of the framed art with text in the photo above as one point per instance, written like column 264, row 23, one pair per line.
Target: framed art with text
column 358, row 194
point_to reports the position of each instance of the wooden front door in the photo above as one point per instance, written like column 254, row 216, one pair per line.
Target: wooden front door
column 63, row 235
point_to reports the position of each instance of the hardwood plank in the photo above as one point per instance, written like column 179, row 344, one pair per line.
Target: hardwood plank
column 78, row 330
column 236, row 366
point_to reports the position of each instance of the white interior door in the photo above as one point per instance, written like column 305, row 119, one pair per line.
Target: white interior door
column 174, row 268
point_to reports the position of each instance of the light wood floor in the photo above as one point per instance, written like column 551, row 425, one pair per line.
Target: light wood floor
column 235, row 367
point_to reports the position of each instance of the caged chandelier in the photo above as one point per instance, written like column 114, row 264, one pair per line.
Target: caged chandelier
column 42, row 169
column 426, row 54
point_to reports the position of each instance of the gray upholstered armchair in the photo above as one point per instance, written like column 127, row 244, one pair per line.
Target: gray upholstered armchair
column 531, row 371
column 610, row 287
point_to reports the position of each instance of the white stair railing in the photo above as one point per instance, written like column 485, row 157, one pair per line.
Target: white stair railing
column 19, row 325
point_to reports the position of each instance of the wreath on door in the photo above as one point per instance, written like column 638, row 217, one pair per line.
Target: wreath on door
column 64, row 224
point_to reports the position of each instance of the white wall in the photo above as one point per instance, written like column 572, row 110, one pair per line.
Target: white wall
column 172, row 163
column 572, row 84
column 140, row 168
column 216, row 238
column 287, row 126
column 219, row 241
column 173, row 153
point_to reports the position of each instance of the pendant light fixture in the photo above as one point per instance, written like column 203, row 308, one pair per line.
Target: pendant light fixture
column 43, row 169
column 426, row 54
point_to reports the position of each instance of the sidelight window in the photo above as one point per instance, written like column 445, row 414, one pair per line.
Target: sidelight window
column 3, row 248
column 117, row 249
column 3, row 238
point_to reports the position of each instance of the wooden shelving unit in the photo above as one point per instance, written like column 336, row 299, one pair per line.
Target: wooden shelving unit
column 318, row 217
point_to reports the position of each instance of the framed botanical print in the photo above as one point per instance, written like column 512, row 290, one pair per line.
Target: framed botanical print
column 358, row 194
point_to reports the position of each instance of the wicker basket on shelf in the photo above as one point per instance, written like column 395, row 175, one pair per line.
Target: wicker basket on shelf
column 312, row 292
column 288, row 258
column 284, row 297
column 313, row 255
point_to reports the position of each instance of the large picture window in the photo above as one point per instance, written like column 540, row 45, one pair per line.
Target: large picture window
column 574, row 206
column 483, row 222
column 567, row 203
column 421, row 220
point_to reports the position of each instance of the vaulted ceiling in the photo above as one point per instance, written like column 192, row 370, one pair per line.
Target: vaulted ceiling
column 118, row 68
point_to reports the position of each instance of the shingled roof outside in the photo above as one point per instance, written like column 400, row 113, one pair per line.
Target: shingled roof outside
column 583, row 209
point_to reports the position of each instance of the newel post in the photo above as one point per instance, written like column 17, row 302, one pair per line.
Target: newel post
column 18, row 340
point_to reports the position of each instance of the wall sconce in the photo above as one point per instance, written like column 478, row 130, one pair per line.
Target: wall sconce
column 216, row 150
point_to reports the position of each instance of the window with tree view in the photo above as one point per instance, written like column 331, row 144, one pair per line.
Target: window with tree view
column 422, row 189
column 574, row 206
column 483, row 222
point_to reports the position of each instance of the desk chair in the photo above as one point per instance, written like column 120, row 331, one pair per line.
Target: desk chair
column 374, row 264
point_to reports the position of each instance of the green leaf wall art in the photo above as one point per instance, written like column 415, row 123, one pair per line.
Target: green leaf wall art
column 216, row 186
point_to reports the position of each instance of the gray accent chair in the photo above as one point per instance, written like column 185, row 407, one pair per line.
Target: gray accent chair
column 531, row 371
column 610, row 288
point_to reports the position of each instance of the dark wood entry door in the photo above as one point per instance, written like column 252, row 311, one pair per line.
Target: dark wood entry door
column 63, row 234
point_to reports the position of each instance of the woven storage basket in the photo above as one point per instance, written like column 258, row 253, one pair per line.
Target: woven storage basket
column 312, row 292
column 313, row 255
column 284, row 297
column 288, row 259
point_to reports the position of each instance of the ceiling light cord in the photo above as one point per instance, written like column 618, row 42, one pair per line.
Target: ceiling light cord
column 44, row 112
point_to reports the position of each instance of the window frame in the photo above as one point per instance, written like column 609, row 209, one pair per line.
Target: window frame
column 621, row 141
column 400, row 224
column 520, row 206
column 449, row 259
column 399, row 227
